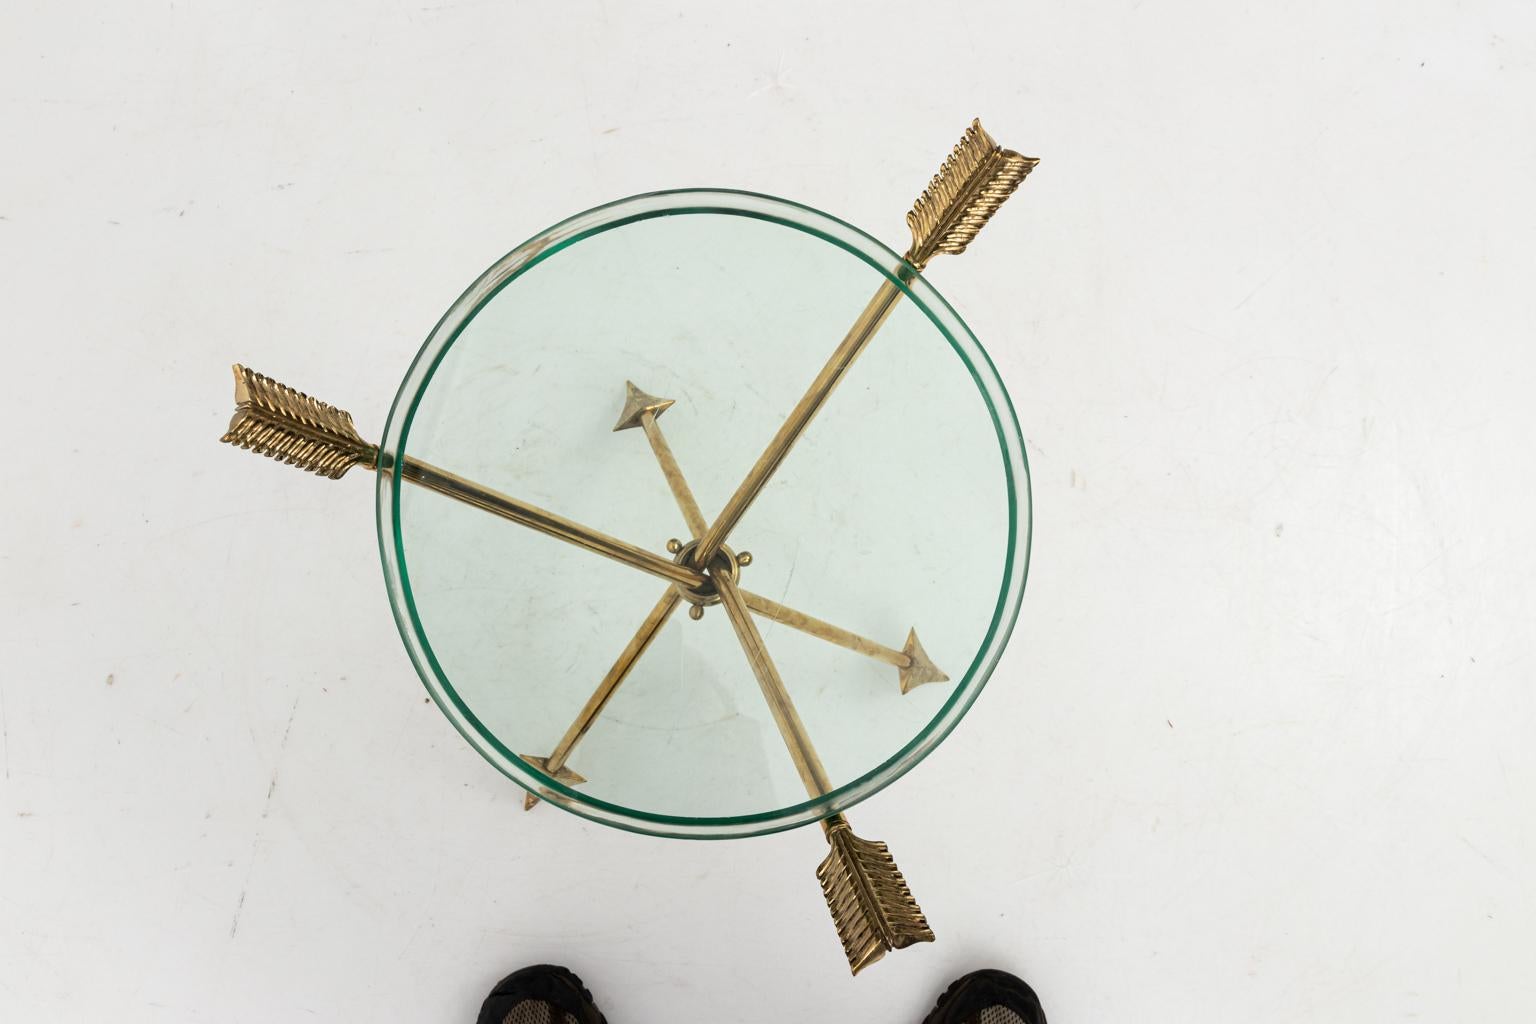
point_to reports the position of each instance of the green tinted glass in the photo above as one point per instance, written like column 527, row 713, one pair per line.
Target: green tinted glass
column 904, row 506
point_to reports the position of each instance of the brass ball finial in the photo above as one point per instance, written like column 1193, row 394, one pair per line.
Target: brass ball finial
column 696, row 612
column 674, row 546
column 744, row 559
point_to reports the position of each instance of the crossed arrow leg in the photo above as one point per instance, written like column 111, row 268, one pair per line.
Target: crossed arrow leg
column 912, row 664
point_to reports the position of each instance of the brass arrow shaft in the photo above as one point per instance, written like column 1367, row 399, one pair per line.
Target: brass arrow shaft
column 801, row 752
column 681, row 492
column 805, row 410
column 609, row 686
column 546, row 522
column 787, row 616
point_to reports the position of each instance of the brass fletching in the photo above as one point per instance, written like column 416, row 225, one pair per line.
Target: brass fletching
column 975, row 179
column 871, row 905
column 274, row 420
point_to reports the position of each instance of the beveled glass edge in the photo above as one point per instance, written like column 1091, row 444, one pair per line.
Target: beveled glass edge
column 926, row 298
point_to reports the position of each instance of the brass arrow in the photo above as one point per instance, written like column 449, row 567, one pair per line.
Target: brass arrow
column 273, row 419
column 871, row 906
column 972, row 183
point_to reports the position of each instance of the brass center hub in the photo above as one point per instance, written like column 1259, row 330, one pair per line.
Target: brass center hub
column 726, row 563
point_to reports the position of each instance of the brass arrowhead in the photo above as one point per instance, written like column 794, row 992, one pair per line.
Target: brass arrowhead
column 636, row 404
column 561, row 774
column 922, row 670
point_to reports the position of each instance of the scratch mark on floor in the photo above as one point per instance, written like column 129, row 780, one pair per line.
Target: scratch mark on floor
column 289, row 727
column 234, row 925
column 266, row 808
column 1260, row 286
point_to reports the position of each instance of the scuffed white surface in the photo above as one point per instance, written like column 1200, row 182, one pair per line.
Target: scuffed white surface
column 1261, row 748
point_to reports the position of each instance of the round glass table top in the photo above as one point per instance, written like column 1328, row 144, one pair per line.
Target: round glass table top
column 888, row 551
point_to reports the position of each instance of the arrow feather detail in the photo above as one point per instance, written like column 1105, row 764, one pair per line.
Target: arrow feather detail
column 974, row 181
column 871, row 905
column 274, row 420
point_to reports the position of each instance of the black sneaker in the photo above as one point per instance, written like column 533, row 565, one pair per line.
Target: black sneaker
column 544, row 994
column 987, row 997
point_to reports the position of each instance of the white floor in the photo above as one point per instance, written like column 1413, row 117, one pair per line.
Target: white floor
column 1261, row 749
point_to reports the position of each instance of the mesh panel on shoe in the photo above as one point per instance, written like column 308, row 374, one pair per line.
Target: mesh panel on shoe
column 999, row 1015
column 537, row 1011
